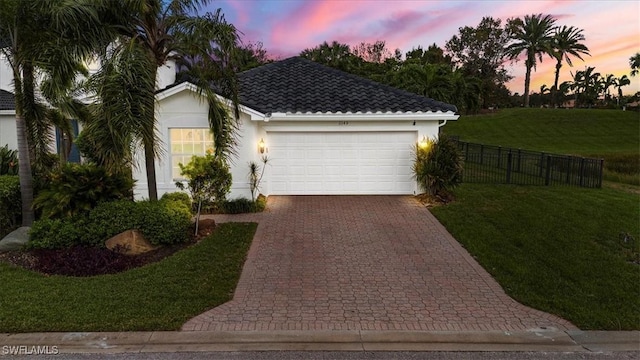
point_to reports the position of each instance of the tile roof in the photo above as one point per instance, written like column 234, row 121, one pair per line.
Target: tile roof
column 7, row 101
column 298, row 85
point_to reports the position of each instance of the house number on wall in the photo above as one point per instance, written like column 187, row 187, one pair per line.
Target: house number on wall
column 343, row 123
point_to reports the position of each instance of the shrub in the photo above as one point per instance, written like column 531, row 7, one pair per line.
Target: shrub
column 76, row 188
column 161, row 222
column 208, row 180
column 238, row 206
column 8, row 161
column 244, row 205
column 55, row 233
column 10, row 204
column 164, row 223
column 180, row 197
column 438, row 166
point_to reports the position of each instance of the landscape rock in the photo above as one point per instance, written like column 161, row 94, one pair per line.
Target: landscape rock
column 130, row 242
column 15, row 240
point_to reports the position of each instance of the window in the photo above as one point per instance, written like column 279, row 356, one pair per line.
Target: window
column 185, row 143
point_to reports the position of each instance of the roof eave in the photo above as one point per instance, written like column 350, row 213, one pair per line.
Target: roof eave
column 367, row 116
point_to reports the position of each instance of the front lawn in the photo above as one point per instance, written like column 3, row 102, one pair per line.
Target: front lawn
column 159, row 296
column 572, row 252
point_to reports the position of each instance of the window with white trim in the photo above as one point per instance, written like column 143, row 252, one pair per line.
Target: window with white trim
column 185, row 143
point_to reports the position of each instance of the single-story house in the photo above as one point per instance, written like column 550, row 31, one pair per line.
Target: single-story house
column 324, row 131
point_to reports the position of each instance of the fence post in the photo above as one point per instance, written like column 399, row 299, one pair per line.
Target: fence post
column 541, row 166
column 481, row 153
column 582, row 172
column 547, row 177
column 569, row 170
column 601, row 173
column 509, row 163
column 499, row 157
column 519, row 160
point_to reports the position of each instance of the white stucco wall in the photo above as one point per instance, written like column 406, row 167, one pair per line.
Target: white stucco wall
column 185, row 110
column 8, row 130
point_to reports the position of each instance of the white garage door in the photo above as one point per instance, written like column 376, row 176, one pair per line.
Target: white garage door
column 341, row 163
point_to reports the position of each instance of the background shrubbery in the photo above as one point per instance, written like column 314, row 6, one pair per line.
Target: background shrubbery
column 76, row 188
column 243, row 205
column 10, row 204
column 161, row 222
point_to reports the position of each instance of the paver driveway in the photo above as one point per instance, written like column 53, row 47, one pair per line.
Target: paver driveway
column 362, row 263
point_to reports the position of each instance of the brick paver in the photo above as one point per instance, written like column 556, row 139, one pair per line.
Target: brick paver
column 362, row 263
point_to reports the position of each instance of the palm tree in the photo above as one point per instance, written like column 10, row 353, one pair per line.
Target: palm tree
column 429, row 80
column 634, row 63
column 619, row 83
column 587, row 85
column 336, row 55
column 148, row 33
column 607, row 82
column 37, row 37
column 533, row 38
column 565, row 43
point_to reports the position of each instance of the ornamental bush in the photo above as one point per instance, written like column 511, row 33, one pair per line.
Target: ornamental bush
column 76, row 188
column 161, row 222
column 438, row 166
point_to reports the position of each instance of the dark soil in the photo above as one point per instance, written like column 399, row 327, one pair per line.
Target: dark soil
column 83, row 261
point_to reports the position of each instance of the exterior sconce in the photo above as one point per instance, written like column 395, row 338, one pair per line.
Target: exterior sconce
column 424, row 143
column 261, row 146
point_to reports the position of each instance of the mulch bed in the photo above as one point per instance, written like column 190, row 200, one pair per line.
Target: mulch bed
column 79, row 261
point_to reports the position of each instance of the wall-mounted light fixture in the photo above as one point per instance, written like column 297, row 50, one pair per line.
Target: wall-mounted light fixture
column 424, row 143
column 261, row 146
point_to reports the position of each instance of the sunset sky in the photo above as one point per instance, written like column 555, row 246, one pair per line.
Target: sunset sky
column 611, row 28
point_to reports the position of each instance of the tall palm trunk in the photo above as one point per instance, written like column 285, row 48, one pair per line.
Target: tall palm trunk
column 554, row 89
column 527, row 83
column 150, row 164
column 149, row 140
column 24, row 169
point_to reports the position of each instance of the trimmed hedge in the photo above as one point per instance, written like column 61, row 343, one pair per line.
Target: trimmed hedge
column 161, row 222
column 244, row 205
column 10, row 204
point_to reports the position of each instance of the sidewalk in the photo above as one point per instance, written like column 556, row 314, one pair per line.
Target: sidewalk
column 548, row 340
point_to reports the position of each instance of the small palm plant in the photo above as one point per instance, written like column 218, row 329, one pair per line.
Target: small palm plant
column 438, row 166
column 255, row 176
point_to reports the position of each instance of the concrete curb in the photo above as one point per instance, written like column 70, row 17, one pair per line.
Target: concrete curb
column 185, row 341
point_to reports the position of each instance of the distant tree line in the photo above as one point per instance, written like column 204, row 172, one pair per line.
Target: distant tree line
column 470, row 71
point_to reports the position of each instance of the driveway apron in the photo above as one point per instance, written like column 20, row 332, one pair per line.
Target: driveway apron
column 362, row 263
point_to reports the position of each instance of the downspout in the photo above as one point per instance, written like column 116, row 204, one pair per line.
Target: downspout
column 442, row 123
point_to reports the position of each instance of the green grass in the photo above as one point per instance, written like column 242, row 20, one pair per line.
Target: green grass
column 610, row 134
column 159, row 296
column 557, row 249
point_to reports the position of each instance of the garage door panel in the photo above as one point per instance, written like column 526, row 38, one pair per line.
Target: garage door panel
column 341, row 163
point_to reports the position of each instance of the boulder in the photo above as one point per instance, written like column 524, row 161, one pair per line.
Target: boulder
column 130, row 242
column 15, row 240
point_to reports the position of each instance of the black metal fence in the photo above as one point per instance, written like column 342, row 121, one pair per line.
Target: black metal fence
column 496, row 164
